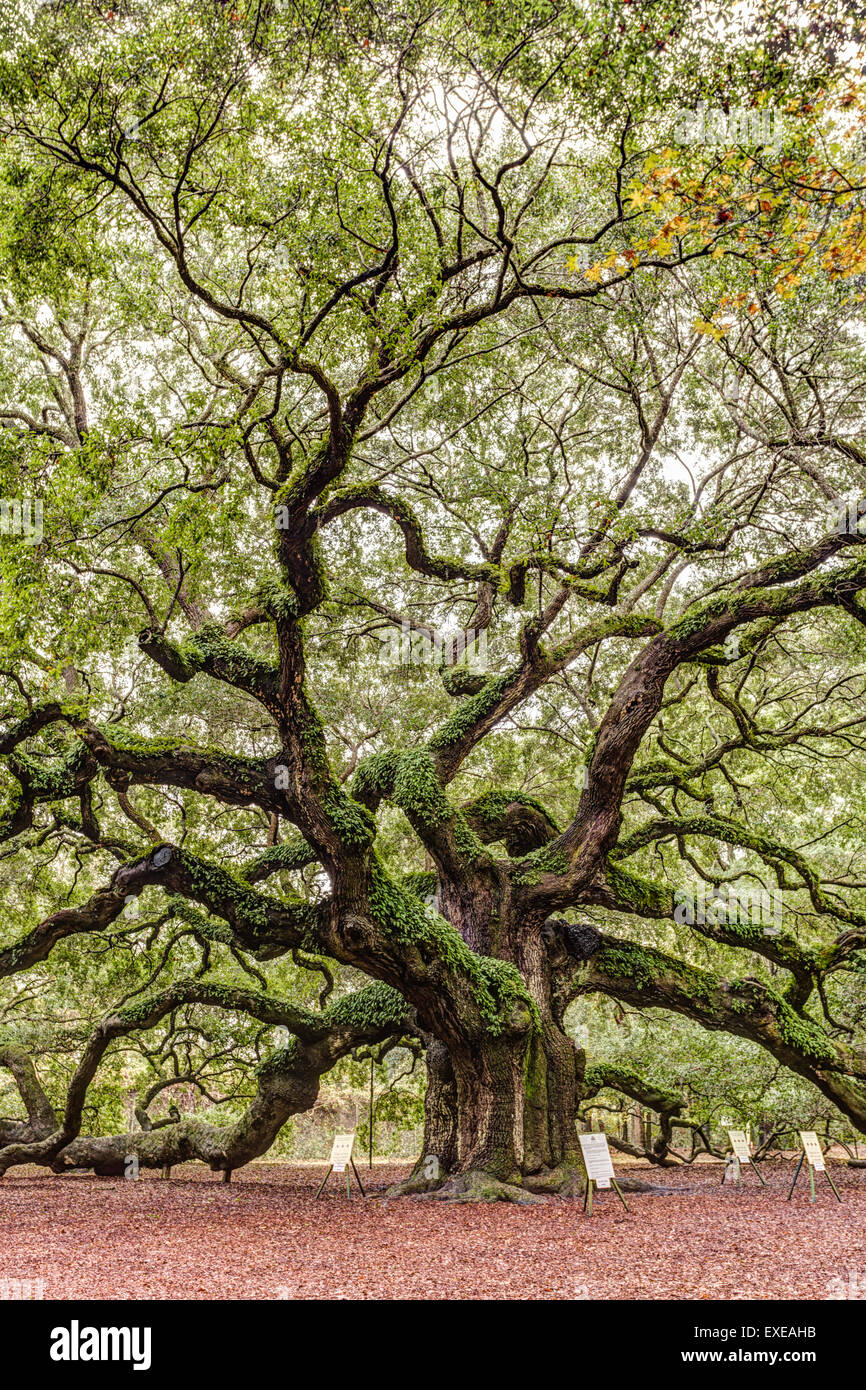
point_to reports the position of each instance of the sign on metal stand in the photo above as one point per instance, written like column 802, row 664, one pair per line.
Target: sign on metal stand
column 741, row 1153
column 599, row 1168
column 813, row 1155
column 341, row 1157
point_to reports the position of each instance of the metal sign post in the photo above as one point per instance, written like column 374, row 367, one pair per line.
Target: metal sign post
column 599, row 1168
column 813, row 1155
column 739, row 1142
column 370, row 1156
column 341, row 1157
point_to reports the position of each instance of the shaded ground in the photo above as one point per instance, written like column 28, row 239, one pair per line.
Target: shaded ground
column 264, row 1237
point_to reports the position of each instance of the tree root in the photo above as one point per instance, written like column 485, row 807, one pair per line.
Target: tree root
column 474, row 1186
column 565, row 1181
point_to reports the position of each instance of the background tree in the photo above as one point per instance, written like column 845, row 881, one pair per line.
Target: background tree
column 326, row 326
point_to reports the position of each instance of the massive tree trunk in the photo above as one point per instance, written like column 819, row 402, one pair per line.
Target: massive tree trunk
column 502, row 1121
column 502, row 1103
column 505, row 1110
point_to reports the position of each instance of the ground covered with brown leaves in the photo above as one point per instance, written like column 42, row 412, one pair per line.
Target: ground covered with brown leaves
column 265, row 1237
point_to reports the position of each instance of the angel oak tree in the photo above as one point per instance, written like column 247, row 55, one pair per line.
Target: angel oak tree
column 319, row 327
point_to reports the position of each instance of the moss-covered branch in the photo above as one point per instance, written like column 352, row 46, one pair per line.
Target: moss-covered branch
column 649, row 978
column 783, row 949
column 212, row 651
column 475, row 717
column 521, row 822
column 288, row 854
column 129, row 758
column 667, row 1104
column 259, row 923
column 103, row 908
column 287, row 1082
column 41, row 1118
column 418, row 556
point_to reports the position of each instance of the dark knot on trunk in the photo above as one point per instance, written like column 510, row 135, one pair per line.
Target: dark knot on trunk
column 581, row 942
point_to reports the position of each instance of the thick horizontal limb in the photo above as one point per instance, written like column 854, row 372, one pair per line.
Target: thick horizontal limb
column 747, row 1008
column 287, row 1082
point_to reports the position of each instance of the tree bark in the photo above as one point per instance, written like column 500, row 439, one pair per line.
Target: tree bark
column 504, row 1104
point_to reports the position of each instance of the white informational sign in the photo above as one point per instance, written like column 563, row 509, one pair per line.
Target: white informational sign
column 812, row 1147
column 596, row 1158
column 740, row 1145
column 341, row 1151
